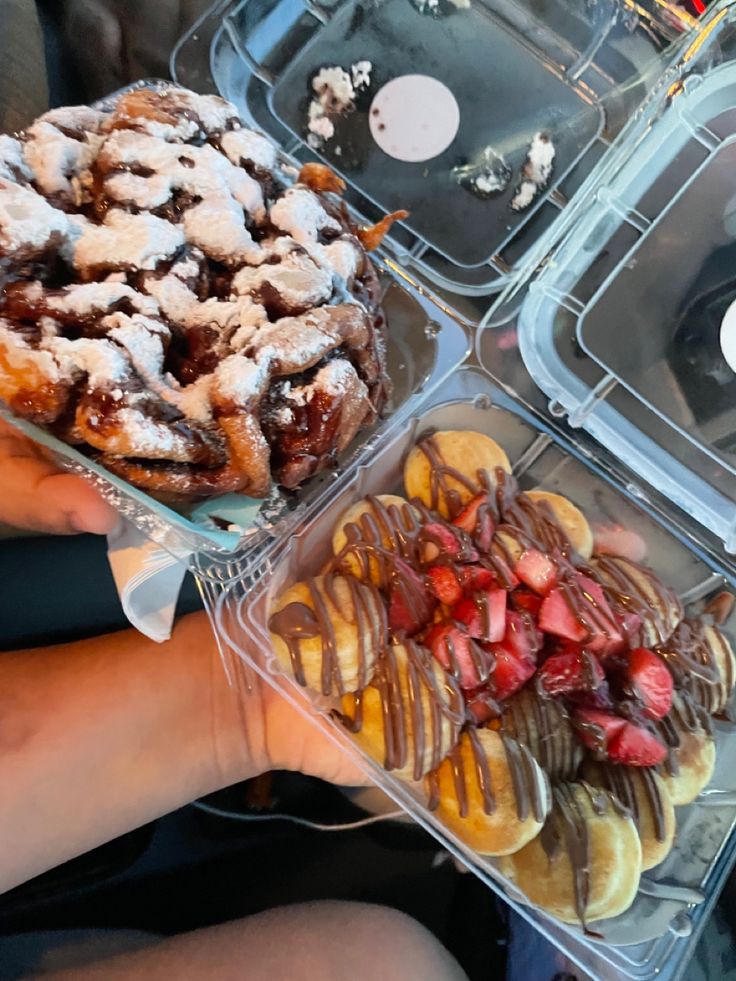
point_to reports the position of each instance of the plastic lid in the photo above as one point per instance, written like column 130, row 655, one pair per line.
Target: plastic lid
column 535, row 85
column 622, row 328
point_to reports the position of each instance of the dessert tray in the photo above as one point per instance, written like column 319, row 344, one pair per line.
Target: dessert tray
column 573, row 415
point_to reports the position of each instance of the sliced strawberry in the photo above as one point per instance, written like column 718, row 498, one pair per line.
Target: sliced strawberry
column 578, row 610
column 536, row 570
column 468, row 517
column 597, row 729
column 511, row 671
column 557, row 617
column 483, row 614
column 474, row 577
column 466, row 614
column 443, row 584
column 411, row 605
column 482, row 705
column 460, row 655
column 634, row 746
column 442, row 539
column 526, row 601
column 522, row 636
column 614, row 539
column 570, row 671
column 650, row 681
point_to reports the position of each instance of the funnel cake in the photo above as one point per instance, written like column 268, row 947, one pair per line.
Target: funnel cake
column 177, row 305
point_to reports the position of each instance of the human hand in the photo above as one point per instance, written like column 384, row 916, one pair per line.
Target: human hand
column 36, row 495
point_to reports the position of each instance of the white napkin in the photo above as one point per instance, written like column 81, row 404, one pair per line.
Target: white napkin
column 148, row 579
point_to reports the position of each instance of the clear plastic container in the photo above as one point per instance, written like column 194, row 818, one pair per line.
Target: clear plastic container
column 620, row 328
column 425, row 342
column 674, row 899
column 516, row 67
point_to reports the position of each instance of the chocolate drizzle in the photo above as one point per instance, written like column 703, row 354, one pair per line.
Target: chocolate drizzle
column 543, row 726
column 635, row 589
column 624, row 783
column 692, row 656
column 529, row 784
column 416, row 709
column 440, row 475
column 380, row 534
column 566, row 829
column 297, row 621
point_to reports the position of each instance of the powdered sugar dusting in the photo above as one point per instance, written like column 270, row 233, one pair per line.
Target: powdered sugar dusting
column 100, row 360
column 244, row 144
column 126, row 241
column 12, row 165
column 54, row 157
column 28, row 223
column 239, row 380
column 300, row 214
column 143, row 338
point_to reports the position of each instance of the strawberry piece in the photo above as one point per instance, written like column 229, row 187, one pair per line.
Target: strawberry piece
column 474, row 577
column 443, row 584
column 570, row 671
column 466, row 614
column 598, row 729
column 442, row 539
column 634, row 746
column 650, row 681
column 468, row 517
column 411, row 605
column 614, row 539
column 522, row 636
column 556, row 617
column 536, row 570
column 591, row 621
column 459, row 655
column 483, row 615
column 526, row 601
column 482, row 705
column 511, row 671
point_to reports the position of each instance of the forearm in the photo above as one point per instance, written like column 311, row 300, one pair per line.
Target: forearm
column 101, row 736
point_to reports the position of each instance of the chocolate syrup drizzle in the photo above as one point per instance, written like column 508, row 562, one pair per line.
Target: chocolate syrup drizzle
column 543, row 726
column 297, row 621
column 567, row 827
column 657, row 605
column 414, row 715
column 530, row 793
column 691, row 654
column 621, row 781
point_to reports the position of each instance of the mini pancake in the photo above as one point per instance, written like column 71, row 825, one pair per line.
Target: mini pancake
column 328, row 632
column 449, row 468
column 570, row 518
column 409, row 718
column 589, row 845
column 490, row 792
